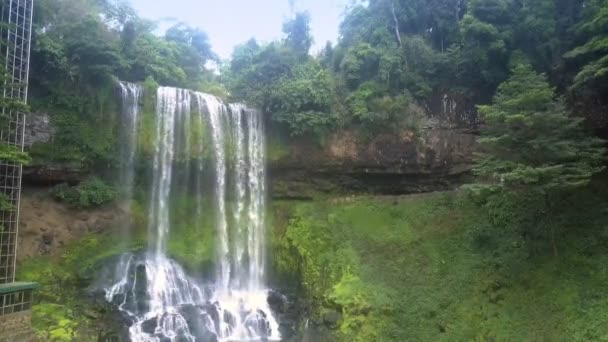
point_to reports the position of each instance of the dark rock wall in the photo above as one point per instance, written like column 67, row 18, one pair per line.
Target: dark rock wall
column 38, row 129
column 387, row 164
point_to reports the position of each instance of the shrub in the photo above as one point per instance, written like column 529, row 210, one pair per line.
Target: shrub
column 91, row 193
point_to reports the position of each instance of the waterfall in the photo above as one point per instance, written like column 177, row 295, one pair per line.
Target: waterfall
column 240, row 191
column 130, row 95
column 216, row 111
column 160, row 299
column 257, row 193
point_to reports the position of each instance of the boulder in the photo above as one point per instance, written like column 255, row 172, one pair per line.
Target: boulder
column 331, row 318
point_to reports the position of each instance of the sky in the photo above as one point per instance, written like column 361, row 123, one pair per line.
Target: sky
column 231, row 22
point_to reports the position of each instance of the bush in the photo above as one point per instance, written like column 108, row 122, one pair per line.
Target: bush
column 12, row 154
column 303, row 100
column 91, row 193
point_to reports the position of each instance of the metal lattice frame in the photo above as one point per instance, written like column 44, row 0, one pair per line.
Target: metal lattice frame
column 15, row 302
column 15, row 33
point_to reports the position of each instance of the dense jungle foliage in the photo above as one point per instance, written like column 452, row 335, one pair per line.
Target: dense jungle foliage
column 518, row 255
column 395, row 63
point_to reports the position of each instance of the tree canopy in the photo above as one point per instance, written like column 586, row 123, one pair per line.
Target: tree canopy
column 399, row 54
column 530, row 142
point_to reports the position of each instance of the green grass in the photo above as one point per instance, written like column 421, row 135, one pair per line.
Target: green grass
column 61, row 311
column 440, row 268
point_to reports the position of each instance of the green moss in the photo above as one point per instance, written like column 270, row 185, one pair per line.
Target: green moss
column 192, row 237
column 441, row 268
column 198, row 137
column 276, row 150
column 54, row 322
column 147, row 122
column 61, row 311
column 87, row 126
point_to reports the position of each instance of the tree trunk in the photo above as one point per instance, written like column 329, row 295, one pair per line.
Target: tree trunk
column 553, row 241
column 397, row 34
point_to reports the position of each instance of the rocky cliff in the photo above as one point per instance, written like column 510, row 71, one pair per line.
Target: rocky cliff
column 437, row 159
column 39, row 130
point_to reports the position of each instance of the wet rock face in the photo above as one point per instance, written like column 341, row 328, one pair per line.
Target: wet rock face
column 49, row 174
column 290, row 309
column 387, row 164
column 38, row 129
column 196, row 318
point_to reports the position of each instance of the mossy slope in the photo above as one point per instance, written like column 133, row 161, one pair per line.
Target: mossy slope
column 440, row 268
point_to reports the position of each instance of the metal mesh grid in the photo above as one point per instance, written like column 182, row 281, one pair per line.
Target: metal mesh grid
column 15, row 35
column 15, row 302
column 10, row 186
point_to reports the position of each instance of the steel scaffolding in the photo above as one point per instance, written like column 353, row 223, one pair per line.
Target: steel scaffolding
column 15, row 35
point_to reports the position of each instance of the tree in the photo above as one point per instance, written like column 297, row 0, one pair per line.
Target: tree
column 255, row 71
column 480, row 61
column 303, row 100
column 530, row 143
column 535, row 33
column 297, row 32
column 594, row 53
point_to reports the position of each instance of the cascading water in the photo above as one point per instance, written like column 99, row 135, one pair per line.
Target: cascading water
column 130, row 96
column 216, row 109
column 240, row 193
column 154, row 292
column 257, row 192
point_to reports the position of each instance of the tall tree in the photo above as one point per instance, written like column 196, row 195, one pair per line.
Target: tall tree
column 297, row 33
column 530, row 143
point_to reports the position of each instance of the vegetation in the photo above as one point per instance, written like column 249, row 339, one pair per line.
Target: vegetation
column 10, row 153
column 531, row 145
column 440, row 267
column 395, row 63
column 192, row 237
column 62, row 311
column 79, row 49
column 396, row 55
column 92, row 192
column 592, row 55
column 529, row 141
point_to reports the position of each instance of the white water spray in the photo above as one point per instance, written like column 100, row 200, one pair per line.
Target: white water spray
column 130, row 95
column 160, row 299
column 216, row 111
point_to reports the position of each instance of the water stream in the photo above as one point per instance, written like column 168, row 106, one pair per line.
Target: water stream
column 130, row 95
column 161, row 301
